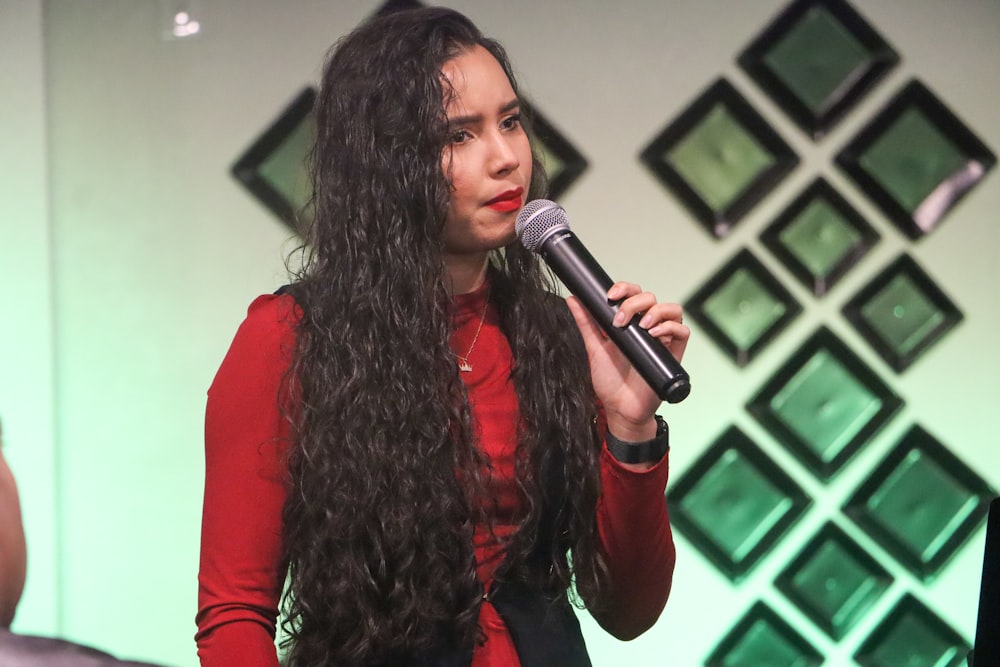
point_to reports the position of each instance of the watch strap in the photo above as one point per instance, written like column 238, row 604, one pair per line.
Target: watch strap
column 649, row 451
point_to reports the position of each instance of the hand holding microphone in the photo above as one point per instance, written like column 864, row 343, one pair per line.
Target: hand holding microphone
column 542, row 227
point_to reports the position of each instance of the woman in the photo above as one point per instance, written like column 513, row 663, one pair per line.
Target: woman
column 408, row 432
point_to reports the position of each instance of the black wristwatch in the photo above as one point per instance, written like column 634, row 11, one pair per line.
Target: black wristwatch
column 649, row 451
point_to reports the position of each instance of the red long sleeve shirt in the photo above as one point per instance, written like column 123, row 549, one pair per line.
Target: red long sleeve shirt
column 242, row 571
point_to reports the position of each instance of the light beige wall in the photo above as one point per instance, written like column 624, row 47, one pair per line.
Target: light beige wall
column 27, row 389
column 156, row 251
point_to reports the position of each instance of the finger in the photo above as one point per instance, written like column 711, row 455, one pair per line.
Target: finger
column 632, row 306
column 662, row 312
column 673, row 335
column 622, row 290
column 665, row 322
column 669, row 328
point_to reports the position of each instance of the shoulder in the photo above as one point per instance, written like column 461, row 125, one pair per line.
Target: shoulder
column 264, row 341
column 277, row 312
column 270, row 318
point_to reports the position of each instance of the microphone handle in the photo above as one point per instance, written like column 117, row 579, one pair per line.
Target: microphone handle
column 585, row 278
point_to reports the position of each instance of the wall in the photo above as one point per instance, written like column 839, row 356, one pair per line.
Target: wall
column 27, row 386
column 130, row 254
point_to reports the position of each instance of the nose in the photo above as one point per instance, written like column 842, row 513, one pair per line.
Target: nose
column 503, row 157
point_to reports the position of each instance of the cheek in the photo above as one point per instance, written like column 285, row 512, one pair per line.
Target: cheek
column 451, row 164
column 461, row 185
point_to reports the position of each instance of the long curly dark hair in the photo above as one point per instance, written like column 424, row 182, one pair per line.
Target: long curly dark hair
column 378, row 528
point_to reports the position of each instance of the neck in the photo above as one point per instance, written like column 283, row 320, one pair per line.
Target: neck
column 466, row 272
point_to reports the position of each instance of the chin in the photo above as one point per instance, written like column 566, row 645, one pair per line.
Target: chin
column 508, row 238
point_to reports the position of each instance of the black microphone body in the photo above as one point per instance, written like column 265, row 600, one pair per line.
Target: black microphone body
column 542, row 228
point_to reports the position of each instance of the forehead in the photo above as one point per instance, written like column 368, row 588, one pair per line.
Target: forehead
column 475, row 77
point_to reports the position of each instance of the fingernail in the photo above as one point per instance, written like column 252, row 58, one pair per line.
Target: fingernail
column 619, row 319
column 646, row 322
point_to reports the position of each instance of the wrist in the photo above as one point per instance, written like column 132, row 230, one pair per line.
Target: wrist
column 647, row 451
column 628, row 430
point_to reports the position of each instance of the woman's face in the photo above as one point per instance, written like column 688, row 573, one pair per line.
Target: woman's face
column 488, row 158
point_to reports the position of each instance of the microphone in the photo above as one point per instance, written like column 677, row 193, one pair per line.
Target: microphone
column 542, row 227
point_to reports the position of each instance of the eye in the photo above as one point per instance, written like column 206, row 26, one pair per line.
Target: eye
column 511, row 122
column 459, row 136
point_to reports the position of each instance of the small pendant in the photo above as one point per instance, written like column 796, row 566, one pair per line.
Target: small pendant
column 464, row 367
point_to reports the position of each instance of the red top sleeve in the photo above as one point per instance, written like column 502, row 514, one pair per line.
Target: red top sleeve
column 634, row 531
column 241, row 575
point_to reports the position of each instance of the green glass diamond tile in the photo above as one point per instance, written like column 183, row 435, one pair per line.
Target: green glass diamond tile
column 913, row 316
column 720, row 157
column 743, row 307
column 902, row 313
column 894, row 159
column 815, row 74
column 911, row 635
column 817, row 59
column 824, row 404
column 274, row 168
column 761, row 638
column 916, row 160
column 921, row 503
column 819, row 237
column 285, row 168
column 834, row 581
column 734, row 503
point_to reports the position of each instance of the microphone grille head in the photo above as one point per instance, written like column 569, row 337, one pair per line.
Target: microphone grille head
column 537, row 220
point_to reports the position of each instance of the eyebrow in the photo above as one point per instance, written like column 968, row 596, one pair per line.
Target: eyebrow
column 478, row 118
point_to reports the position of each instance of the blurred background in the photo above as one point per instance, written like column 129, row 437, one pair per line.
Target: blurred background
column 129, row 254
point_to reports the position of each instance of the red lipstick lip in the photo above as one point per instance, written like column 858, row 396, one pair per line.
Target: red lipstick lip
column 506, row 197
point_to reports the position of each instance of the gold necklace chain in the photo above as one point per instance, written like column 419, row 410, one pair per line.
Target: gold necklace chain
column 463, row 361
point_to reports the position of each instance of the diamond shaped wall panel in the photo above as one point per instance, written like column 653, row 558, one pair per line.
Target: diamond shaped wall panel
column 761, row 637
column 817, row 60
column 921, row 503
column 743, row 307
column 902, row 313
column 720, row 157
column 834, row 581
column 819, row 237
column 824, row 404
column 274, row 169
column 735, row 503
column 912, row 634
column 916, row 159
